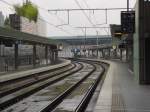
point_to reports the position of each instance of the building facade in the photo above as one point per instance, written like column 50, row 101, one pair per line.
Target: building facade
column 1, row 19
column 141, row 42
column 25, row 25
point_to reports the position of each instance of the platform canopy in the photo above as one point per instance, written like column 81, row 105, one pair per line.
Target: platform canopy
column 13, row 35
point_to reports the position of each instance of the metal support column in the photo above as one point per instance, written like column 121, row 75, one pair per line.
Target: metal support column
column 97, row 53
column 34, row 55
column 46, row 54
column 92, row 53
column 16, row 56
column 109, row 52
column 127, row 54
column 85, row 42
column 88, row 53
column 120, row 54
column 127, row 5
column 56, row 55
column 103, row 54
column 52, row 57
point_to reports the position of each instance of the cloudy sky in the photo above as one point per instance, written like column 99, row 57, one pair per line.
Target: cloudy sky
column 77, row 18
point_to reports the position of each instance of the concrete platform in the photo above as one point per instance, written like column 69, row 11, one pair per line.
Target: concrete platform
column 25, row 73
column 121, row 92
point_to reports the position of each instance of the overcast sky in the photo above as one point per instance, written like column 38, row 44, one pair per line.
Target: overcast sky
column 77, row 18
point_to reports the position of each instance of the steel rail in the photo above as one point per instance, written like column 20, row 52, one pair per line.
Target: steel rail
column 16, row 99
column 29, row 76
column 85, row 101
column 34, row 82
column 62, row 96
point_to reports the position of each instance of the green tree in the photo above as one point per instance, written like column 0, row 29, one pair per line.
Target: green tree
column 28, row 10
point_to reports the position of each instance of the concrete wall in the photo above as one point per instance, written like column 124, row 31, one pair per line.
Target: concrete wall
column 38, row 28
column 28, row 26
column 136, row 44
column 1, row 19
column 141, row 38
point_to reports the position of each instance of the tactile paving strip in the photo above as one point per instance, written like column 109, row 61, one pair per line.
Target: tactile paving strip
column 117, row 103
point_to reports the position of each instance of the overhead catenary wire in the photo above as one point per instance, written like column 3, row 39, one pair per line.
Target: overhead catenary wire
column 94, row 15
column 85, row 13
column 11, row 6
column 90, row 10
column 107, row 32
column 6, row 3
column 76, row 1
column 55, row 26
column 55, row 16
column 58, row 18
column 85, row 9
column 49, row 12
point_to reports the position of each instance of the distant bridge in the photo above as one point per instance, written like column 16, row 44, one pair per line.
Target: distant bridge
column 89, row 40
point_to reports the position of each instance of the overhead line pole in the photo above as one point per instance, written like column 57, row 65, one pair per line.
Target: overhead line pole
column 85, row 41
column 127, row 5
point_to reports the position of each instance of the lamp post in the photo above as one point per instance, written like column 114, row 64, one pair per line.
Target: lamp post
column 85, row 42
column 97, row 43
column 127, row 5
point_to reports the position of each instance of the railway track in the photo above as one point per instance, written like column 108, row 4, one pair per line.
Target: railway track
column 79, row 104
column 25, row 91
column 17, row 84
column 51, row 94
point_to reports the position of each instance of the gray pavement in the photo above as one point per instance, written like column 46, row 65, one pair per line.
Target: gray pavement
column 133, row 97
column 121, row 92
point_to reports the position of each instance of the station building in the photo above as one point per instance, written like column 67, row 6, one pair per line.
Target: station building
column 141, row 42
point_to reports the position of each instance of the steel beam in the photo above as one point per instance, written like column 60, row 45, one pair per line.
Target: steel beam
column 88, row 9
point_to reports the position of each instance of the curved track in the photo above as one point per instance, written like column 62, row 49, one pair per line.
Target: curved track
column 20, row 83
column 24, row 91
column 50, row 91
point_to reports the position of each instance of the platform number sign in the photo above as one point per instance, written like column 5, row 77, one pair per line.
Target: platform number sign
column 128, row 21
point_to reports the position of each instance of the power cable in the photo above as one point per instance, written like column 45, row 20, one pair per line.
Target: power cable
column 57, row 17
column 7, row 4
column 90, row 8
column 55, row 26
column 84, row 13
column 94, row 15
column 49, row 12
